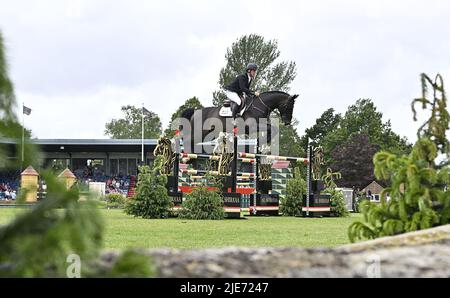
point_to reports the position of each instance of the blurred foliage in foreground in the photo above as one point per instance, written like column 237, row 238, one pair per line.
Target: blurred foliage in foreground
column 419, row 192
column 41, row 241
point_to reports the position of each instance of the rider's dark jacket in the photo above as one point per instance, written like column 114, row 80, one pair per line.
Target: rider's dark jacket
column 241, row 85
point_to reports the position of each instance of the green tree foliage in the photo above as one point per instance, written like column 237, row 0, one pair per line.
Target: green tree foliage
column 11, row 129
column 338, row 206
column 272, row 75
column 363, row 118
column 291, row 205
column 290, row 142
column 419, row 194
column 354, row 160
column 9, row 126
column 193, row 103
column 325, row 124
column 203, row 204
column 130, row 127
column 37, row 243
column 436, row 127
column 115, row 200
column 151, row 199
column 7, row 98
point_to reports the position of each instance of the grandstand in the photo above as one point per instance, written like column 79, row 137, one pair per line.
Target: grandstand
column 114, row 162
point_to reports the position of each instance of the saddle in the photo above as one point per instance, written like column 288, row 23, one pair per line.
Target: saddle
column 225, row 110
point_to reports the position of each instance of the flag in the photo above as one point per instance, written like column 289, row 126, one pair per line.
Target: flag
column 26, row 110
column 146, row 112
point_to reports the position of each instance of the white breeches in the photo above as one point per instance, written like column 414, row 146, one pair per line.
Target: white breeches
column 233, row 97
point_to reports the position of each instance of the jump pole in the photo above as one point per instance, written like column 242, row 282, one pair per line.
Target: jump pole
column 244, row 155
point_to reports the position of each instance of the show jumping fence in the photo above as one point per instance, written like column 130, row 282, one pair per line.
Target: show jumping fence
column 227, row 160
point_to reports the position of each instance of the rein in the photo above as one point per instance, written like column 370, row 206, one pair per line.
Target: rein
column 262, row 102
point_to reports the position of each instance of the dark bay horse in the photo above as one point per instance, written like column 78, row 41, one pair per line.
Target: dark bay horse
column 258, row 108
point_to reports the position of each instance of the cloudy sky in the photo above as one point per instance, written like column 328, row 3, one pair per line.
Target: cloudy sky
column 76, row 62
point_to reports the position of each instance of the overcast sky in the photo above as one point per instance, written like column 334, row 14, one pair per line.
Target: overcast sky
column 76, row 62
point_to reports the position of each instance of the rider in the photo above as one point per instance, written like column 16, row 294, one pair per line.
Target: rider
column 239, row 89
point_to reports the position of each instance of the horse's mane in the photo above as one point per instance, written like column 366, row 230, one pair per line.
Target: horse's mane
column 275, row 92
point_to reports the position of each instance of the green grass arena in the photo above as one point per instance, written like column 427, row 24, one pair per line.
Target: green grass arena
column 124, row 231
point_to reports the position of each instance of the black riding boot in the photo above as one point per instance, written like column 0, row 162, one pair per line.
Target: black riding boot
column 234, row 109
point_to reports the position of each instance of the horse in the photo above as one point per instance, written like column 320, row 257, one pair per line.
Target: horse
column 258, row 107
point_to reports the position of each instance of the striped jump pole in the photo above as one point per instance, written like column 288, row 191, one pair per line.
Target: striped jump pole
column 245, row 178
column 245, row 184
column 198, row 156
column 187, row 156
column 273, row 157
column 246, row 175
column 196, row 172
column 243, row 175
column 197, row 177
column 247, row 160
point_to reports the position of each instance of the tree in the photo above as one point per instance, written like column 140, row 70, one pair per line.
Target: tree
column 151, row 200
column 354, row 160
column 203, row 204
column 193, row 103
column 290, row 142
column 272, row 75
column 325, row 124
column 363, row 118
column 291, row 205
column 130, row 127
column 338, row 205
column 419, row 194
column 337, row 200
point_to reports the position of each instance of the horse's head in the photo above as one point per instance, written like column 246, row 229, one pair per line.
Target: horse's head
column 286, row 109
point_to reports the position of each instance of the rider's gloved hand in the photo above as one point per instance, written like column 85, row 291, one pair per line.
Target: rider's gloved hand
column 257, row 93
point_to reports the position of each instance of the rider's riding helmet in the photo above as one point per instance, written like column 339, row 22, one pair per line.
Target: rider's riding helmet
column 252, row 66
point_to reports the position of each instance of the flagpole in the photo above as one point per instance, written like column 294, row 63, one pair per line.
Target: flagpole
column 142, row 151
column 23, row 138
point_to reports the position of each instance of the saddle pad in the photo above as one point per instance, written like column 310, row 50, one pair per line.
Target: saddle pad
column 225, row 112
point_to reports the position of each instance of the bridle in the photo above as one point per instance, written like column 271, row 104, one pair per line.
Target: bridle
column 268, row 109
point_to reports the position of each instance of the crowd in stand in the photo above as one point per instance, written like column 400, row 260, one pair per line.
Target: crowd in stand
column 115, row 184
column 9, row 185
column 7, row 192
column 118, row 185
column 9, row 182
column 90, row 172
